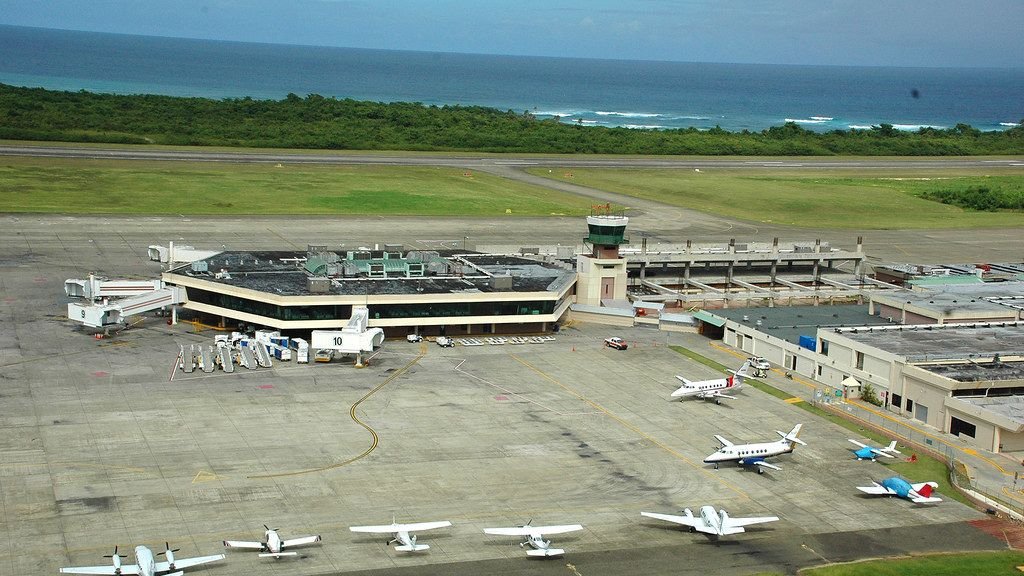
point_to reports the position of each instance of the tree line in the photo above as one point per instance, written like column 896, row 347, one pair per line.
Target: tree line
column 343, row 124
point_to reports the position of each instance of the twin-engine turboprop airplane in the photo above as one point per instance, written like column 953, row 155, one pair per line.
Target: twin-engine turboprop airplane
column 866, row 452
column 754, row 454
column 145, row 564
column 708, row 389
column 406, row 542
column 711, row 522
column 896, row 486
column 534, row 537
column 712, row 389
column 272, row 545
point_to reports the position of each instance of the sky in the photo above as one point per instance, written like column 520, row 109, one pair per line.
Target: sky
column 959, row 33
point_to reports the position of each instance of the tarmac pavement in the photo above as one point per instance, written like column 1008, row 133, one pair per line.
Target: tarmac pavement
column 103, row 442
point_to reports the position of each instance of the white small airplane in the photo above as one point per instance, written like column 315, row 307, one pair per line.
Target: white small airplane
column 708, row 389
column 534, row 537
column 406, row 542
column 145, row 564
column 896, row 486
column 866, row 452
column 755, row 454
column 272, row 545
column 711, row 522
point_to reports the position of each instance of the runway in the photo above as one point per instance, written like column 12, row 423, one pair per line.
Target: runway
column 478, row 161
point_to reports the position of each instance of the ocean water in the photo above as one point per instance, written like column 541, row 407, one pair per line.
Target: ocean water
column 635, row 94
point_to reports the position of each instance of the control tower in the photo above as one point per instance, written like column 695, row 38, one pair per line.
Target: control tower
column 602, row 272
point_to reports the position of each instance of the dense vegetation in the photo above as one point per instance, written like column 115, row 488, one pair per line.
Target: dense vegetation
column 979, row 198
column 329, row 123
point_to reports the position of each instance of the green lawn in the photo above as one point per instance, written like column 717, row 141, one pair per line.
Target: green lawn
column 869, row 199
column 140, row 187
column 967, row 564
column 924, row 469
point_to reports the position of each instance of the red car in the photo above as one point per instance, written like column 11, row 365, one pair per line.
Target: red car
column 616, row 342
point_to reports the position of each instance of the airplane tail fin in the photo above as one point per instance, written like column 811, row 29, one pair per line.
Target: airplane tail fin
column 277, row 554
column 683, row 380
column 792, row 436
column 891, row 448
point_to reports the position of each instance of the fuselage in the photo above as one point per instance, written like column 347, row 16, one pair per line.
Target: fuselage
column 864, row 454
column 711, row 518
column 745, row 452
column 273, row 541
column 144, row 558
column 901, row 487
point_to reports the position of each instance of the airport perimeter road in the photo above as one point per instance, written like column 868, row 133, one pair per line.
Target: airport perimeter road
column 468, row 160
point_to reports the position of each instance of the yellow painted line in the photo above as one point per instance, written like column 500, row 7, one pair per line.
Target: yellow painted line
column 204, row 476
column 1011, row 495
column 793, row 400
column 970, row 451
column 375, row 440
column 632, row 428
column 103, row 467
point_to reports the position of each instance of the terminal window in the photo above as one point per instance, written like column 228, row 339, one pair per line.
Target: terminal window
column 958, row 427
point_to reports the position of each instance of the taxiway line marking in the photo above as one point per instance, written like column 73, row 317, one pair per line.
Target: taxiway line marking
column 631, row 427
column 375, row 440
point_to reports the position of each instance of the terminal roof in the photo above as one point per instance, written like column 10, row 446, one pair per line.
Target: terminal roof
column 283, row 273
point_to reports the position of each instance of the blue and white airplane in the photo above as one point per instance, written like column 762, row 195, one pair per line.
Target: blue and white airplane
column 866, row 452
column 755, row 454
column 896, row 486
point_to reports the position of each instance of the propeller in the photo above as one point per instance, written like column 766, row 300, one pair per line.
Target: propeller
column 270, row 529
column 115, row 554
column 167, row 548
column 169, row 554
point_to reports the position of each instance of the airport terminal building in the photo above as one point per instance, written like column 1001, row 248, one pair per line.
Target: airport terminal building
column 428, row 292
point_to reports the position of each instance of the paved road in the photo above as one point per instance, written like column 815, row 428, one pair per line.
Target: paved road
column 481, row 161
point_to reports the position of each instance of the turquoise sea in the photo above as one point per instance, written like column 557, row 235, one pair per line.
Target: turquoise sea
column 639, row 94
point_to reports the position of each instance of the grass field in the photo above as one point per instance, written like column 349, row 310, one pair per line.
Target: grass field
column 879, row 199
column 138, row 187
column 924, row 469
column 969, row 564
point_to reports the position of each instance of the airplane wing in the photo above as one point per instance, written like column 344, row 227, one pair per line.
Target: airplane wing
column 299, row 541
column 556, row 529
column 108, row 569
column 529, row 530
column 418, row 526
column 740, row 522
column 761, row 464
column 379, row 529
column 513, row 531
column 243, row 544
column 691, row 521
column 182, row 563
column 852, row 441
column 877, row 489
column 716, row 394
column 723, row 441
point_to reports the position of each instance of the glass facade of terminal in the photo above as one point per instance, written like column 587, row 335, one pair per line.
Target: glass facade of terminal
column 377, row 311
